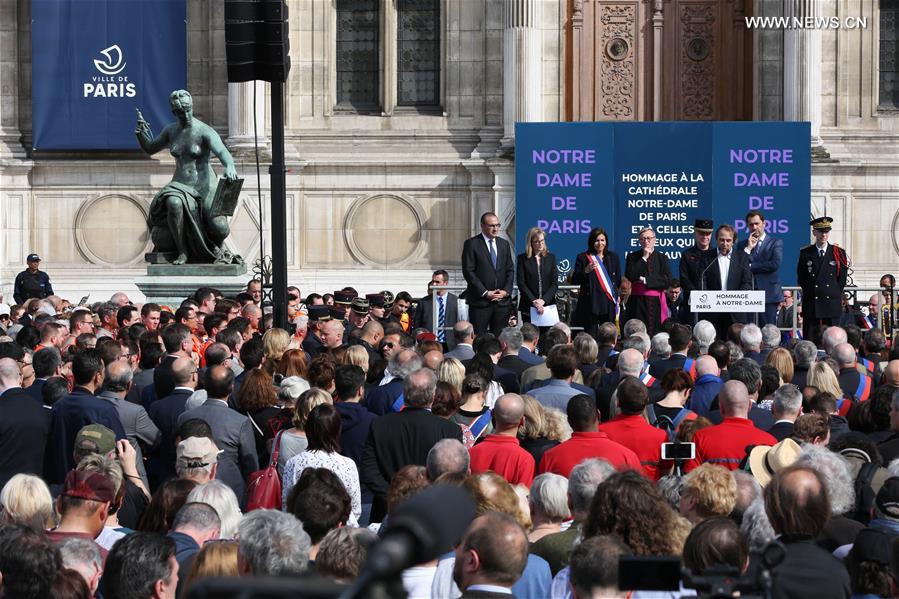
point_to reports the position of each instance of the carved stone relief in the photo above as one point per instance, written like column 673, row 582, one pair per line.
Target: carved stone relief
column 698, row 75
column 617, row 66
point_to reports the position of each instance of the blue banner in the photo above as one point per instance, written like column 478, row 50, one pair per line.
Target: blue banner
column 95, row 61
column 571, row 177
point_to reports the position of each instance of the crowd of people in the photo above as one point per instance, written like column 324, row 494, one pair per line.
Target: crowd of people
column 139, row 443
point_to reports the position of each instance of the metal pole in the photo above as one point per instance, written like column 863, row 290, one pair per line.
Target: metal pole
column 279, row 209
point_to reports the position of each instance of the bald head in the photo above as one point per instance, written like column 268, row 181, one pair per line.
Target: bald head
column 508, row 412
column 707, row 365
column 183, row 370
column 432, row 359
column 10, row 375
column 734, row 400
column 630, row 362
column 118, row 376
column 891, row 374
column 844, row 354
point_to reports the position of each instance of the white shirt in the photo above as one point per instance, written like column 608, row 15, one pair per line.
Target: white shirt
column 818, row 248
column 761, row 239
column 723, row 269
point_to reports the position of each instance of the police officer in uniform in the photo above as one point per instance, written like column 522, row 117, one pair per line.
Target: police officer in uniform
column 312, row 344
column 693, row 263
column 821, row 271
column 357, row 317
column 32, row 282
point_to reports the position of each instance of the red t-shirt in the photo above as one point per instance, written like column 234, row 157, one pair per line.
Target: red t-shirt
column 503, row 455
column 726, row 444
column 581, row 446
column 639, row 436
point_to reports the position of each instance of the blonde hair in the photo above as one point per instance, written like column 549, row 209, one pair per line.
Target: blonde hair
column 215, row 559
column 540, row 421
column 356, row 355
column 712, row 488
column 307, row 402
column 782, row 360
column 26, row 500
column 822, row 376
column 528, row 249
column 274, row 343
column 451, row 371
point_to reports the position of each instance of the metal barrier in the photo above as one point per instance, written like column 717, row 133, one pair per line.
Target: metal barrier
column 797, row 301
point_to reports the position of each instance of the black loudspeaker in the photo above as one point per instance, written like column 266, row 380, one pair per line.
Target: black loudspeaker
column 256, row 40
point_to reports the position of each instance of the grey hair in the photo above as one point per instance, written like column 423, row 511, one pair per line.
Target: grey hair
column 583, row 481
column 117, row 379
column 834, row 469
column 734, row 351
column 632, row 326
column 832, row 337
column 748, row 490
column 670, row 486
column 292, row 388
column 844, row 354
column 549, row 496
column 787, row 400
column 274, row 543
column 223, row 501
column 419, row 387
column 893, row 468
column 404, row 363
column 301, row 322
column 630, row 364
column 751, row 336
column 199, row 515
column 586, row 348
column 770, row 336
column 660, row 347
column 805, row 352
column 748, row 372
column 704, row 333
column 512, row 338
column 80, row 552
column 447, row 455
column 756, row 526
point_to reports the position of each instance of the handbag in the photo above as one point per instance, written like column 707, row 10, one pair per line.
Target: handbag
column 264, row 486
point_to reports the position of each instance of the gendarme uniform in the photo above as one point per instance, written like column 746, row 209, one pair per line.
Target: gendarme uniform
column 821, row 272
column 693, row 262
column 32, row 284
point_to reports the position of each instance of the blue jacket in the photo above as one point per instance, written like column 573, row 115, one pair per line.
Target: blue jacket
column 704, row 392
column 764, row 262
column 68, row 416
column 380, row 400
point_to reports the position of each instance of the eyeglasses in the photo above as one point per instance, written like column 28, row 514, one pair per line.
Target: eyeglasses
column 389, row 345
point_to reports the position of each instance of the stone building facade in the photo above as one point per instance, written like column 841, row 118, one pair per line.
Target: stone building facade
column 400, row 126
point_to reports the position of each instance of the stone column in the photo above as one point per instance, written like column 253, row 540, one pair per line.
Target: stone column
column 10, row 135
column 802, row 68
column 240, row 116
column 522, row 65
column 658, row 25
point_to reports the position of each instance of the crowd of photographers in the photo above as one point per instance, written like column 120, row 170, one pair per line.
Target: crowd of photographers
column 145, row 449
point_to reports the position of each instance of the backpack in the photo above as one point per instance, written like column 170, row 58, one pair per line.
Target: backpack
column 264, row 486
column 667, row 424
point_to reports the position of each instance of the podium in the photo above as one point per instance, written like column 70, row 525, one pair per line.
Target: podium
column 727, row 301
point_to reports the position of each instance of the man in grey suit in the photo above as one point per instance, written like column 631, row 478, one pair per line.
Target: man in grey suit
column 135, row 420
column 231, row 431
column 447, row 310
column 463, row 332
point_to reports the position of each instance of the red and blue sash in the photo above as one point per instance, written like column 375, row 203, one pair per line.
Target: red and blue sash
column 868, row 364
column 690, row 367
column 864, row 388
column 605, row 281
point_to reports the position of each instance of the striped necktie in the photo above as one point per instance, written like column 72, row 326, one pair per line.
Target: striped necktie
column 441, row 318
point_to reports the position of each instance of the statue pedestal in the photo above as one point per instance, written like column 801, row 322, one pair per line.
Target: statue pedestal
column 170, row 284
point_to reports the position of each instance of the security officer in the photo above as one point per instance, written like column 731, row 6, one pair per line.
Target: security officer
column 318, row 315
column 357, row 317
column 693, row 263
column 32, row 282
column 821, row 271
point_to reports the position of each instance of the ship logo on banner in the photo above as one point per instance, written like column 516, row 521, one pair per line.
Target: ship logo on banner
column 111, row 66
column 110, row 84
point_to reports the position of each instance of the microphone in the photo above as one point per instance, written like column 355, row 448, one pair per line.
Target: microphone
column 419, row 530
column 702, row 276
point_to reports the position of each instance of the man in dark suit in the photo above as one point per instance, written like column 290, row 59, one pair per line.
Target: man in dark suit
column 729, row 271
column 447, row 310
column 46, row 363
column 679, row 340
column 510, row 340
column 821, row 272
column 786, row 408
column 489, row 271
column 491, row 557
column 402, row 438
column 165, row 412
column 24, row 426
column 232, row 432
column 765, row 255
column 178, row 344
column 75, row 411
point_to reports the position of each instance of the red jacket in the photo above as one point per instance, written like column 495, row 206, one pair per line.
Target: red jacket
column 640, row 437
column 726, row 444
column 503, row 455
column 581, row 446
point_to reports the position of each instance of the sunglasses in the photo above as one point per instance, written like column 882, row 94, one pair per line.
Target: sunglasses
column 389, row 345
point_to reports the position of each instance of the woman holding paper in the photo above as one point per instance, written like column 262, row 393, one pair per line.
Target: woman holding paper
column 598, row 272
column 538, row 280
column 649, row 275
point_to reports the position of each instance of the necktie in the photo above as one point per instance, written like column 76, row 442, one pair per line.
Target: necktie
column 821, row 253
column 441, row 318
column 492, row 254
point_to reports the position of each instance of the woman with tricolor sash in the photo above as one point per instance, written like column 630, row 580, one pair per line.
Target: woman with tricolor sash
column 649, row 275
column 598, row 272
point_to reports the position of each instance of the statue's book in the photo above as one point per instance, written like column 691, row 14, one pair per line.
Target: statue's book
column 226, row 195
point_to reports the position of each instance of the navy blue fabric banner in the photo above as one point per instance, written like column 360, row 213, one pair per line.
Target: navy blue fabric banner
column 662, row 175
column 95, row 61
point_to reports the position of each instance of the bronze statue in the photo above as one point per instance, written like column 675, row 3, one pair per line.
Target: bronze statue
column 183, row 221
